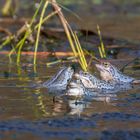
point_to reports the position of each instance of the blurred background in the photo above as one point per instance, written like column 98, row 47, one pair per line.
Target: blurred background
column 117, row 18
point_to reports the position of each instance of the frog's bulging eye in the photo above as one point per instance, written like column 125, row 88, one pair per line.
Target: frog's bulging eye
column 106, row 64
column 85, row 73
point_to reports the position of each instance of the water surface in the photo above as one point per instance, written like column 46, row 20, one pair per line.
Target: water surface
column 28, row 111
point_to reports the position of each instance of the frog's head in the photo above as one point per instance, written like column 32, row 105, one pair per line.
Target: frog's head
column 86, row 78
column 68, row 72
column 110, row 73
column 107, row 71
column 61, row 78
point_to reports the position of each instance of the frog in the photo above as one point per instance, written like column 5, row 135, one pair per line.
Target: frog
column 92, row 82
column 76, row 88
column 111, row 74
column 60, row 80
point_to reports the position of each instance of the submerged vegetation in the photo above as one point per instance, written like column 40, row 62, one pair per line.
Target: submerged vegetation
column 27, row 31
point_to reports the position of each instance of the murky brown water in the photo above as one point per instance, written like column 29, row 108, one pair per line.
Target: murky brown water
column 28, row 112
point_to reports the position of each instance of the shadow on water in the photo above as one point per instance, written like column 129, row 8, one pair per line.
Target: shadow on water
column 28, row 111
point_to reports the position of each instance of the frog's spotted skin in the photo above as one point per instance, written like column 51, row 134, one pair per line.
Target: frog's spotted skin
column 90, row 81
column 60, row 80
column 110, row 73
column 76, row 88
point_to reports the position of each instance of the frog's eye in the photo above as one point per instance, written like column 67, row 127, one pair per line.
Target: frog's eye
column 106, row 64
column 86, row 73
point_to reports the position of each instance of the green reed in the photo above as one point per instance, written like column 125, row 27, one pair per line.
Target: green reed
column 39, row 28
column 101, row 47
column 27, row 33
column 71, row 35
column 30, row 29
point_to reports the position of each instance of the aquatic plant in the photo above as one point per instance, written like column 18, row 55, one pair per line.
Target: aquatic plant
column 101, row 46
column 72, row 37
column 34, row 26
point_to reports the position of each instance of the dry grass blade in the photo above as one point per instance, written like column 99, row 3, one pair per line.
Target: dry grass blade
column 73, row 39
column 6, row 7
